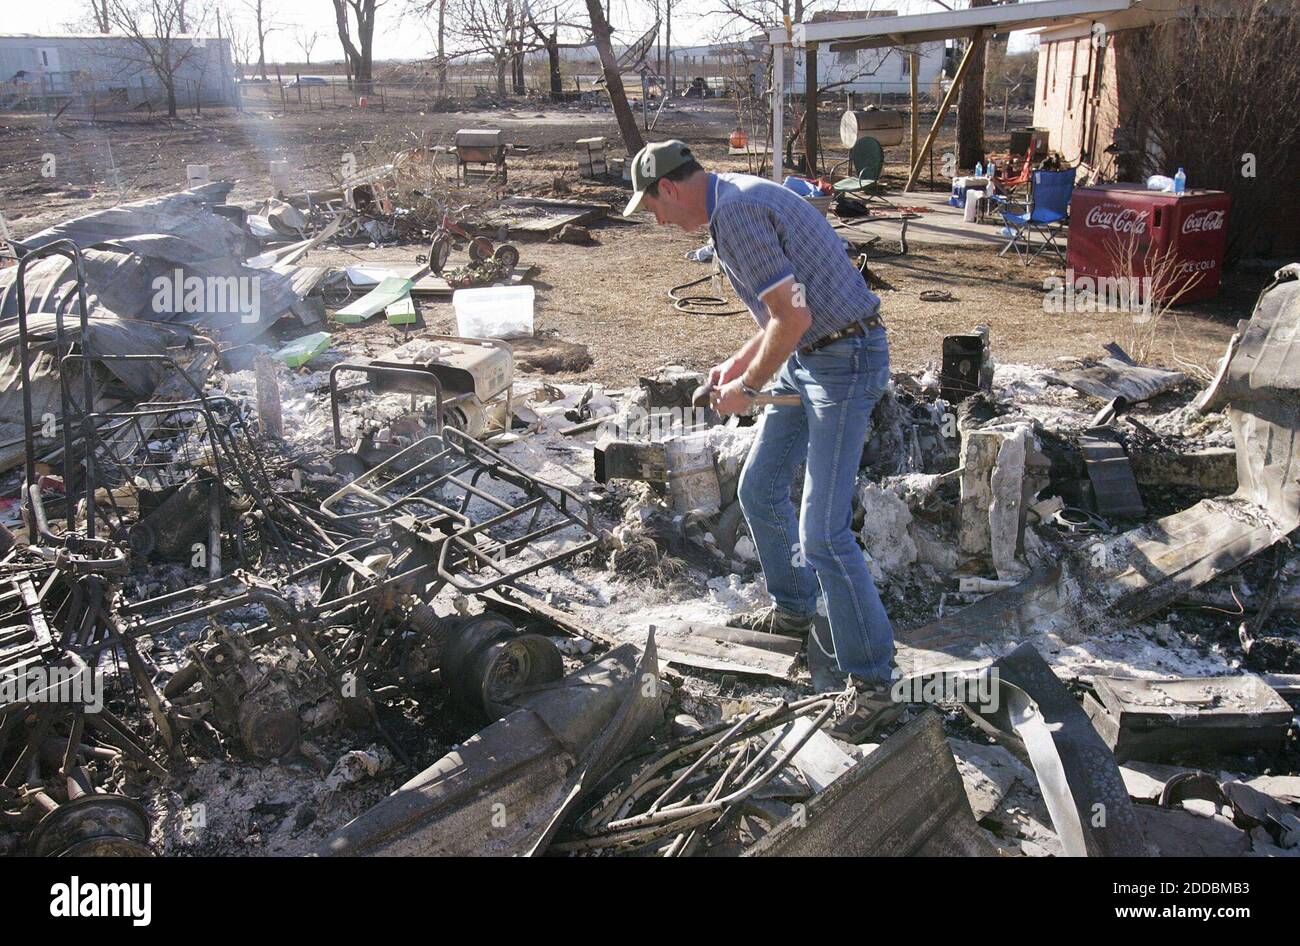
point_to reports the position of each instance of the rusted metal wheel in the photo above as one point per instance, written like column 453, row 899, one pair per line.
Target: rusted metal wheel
column 98, row 825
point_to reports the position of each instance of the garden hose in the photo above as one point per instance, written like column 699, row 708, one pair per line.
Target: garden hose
column 705, row 305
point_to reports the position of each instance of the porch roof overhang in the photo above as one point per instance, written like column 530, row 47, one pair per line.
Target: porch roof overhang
column 882, row 31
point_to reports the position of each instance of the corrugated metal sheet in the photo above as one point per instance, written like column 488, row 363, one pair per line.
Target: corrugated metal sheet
column 186, row 214
column 125, row 282
column 1179, row 552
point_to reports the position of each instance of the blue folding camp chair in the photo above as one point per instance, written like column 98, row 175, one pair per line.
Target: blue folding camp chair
column 1046, row 214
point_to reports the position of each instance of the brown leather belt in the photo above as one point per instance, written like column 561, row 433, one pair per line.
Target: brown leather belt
column 860, row 327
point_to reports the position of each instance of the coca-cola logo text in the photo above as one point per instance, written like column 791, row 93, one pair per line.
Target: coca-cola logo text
column 1204, row 220
column 1121, row 220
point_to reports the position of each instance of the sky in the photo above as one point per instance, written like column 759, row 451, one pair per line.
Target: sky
column 404, row 39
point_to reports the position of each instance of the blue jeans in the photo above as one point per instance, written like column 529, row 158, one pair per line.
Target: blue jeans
column 839, row 386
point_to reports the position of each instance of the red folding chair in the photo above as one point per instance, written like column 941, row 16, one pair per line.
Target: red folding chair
column 1009, row 184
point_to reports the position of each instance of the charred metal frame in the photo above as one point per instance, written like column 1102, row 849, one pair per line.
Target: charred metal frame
column 64, row 589
column 72, row 252
column 454, row 459
column 688, row 801
column 467, row 542
column 414, row 381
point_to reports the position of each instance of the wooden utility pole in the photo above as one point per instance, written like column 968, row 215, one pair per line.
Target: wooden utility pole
column 442, row 48
column 913, row 61
column 659, row 44
column 810, row 108
column 976, row 41
column 668, row 47
column 226, row 85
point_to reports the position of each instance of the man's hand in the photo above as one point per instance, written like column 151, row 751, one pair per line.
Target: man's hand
column 729, row 370
column 735, row 366
column 731, row 398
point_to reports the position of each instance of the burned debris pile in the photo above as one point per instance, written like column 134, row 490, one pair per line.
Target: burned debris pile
column 266, row 587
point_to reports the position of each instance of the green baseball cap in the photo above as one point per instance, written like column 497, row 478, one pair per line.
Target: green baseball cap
column 653, row 162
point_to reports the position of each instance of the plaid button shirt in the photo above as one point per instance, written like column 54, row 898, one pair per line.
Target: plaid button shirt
column 766, row 234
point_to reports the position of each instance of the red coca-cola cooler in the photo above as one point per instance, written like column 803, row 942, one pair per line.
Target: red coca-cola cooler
column 1132, row 223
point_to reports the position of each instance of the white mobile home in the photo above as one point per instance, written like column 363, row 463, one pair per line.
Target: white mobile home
column 107, row 71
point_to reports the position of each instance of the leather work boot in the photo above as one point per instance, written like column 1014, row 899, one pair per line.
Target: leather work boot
column 774, row 620
column 872, row 709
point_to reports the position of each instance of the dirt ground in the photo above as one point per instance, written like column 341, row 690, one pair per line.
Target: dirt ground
column 610, row 296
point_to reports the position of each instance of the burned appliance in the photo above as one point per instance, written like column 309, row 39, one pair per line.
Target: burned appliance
column 967, row 367
column 471, row 380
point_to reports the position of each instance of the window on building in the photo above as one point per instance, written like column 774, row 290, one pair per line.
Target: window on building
column 847, row 57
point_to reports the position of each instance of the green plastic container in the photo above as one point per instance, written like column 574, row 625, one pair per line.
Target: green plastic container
column 302, row 350
column 373, row 302
column 401, row 312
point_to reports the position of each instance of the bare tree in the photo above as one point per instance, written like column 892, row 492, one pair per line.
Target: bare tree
column 306, row 41
column 262, row 28
column 241, row 43
column 970, row 105
column 360, row 55
column 99, row 14
column 494, row 28
column 549, row 36
column 1215, row 94
column 154, row 30
column 601, row 32
column 740, row 19
column 1011, row 71
column 424, row 10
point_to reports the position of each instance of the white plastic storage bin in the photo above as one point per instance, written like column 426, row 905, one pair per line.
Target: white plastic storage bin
column 494, row 311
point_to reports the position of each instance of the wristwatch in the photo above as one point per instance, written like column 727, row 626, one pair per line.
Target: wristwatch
column 749, row 392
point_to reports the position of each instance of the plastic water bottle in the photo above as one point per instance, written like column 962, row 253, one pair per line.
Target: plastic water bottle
column 979, row 168
column 1180, row 182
